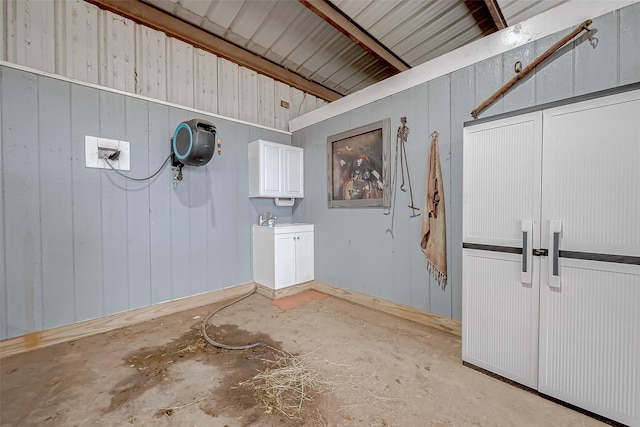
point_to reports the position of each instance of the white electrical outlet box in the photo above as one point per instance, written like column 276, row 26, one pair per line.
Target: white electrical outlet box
column 96, row 148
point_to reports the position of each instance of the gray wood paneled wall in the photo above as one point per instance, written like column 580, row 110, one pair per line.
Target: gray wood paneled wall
column 81, row 243
column 355, row 248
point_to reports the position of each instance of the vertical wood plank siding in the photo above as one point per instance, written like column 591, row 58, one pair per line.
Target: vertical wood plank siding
column 266, row 98
column 3, row 29
column 56, row 202
column 31, row 35
column 78, row 40
column 281, row 118
column 443, row 105
column 629, row 70
column 21, row 193
column 206, row 81
column 80, row 243
column 3, row 270
column 228, row 88
column 439, row 101
column 138, row 202
column 87, row 210
column 248, row 96
column 118, row 62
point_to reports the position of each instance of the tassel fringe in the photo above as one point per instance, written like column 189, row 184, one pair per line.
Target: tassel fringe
column 439, row 276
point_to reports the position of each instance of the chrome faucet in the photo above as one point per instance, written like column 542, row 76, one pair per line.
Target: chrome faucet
column 267, row 219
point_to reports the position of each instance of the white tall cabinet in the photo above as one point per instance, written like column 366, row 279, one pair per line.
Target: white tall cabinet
column 551, row 252
column 283, row 255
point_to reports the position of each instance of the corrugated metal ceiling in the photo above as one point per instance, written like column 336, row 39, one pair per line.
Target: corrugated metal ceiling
column 288, row 33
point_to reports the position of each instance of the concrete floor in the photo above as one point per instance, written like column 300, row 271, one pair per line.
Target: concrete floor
column 380, row 370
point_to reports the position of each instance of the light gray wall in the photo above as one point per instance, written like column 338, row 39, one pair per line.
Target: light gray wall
column 80, row 243
column 353, row 248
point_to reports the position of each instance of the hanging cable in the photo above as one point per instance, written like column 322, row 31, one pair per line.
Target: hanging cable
column 106, row 159
column 226, row 346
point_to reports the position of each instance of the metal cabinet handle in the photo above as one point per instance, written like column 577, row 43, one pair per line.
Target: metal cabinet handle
column 527, row 252
column 555, row 234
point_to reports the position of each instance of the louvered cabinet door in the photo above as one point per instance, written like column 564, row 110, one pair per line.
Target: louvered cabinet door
column 590, row 281
column 501, row 212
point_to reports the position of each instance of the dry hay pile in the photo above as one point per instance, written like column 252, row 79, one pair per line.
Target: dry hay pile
column 286, row 384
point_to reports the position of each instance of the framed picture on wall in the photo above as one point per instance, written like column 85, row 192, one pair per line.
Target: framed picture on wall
column 359, row 171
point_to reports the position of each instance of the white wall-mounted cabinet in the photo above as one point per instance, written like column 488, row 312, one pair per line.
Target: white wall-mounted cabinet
column 283, row 255
column 551, row 252
column 275, row 170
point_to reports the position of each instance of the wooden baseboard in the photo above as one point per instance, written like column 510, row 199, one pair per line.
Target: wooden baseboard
column 284, row 292
column 86, row 328
column 435, row 321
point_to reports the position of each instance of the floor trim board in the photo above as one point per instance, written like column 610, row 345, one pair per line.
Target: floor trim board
column 41, row 339
column 285, row 292
column 36, row 340
column 435, row 321
column 446, row 324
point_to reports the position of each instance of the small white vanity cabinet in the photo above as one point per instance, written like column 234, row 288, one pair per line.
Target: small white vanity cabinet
column 275, row 170
column 283, row 255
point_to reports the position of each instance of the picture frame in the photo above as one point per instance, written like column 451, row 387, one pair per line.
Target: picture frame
column 358, row 167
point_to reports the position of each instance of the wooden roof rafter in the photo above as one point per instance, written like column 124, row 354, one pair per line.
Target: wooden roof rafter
column 496, row 14
column 345, row 25
column 157, row 19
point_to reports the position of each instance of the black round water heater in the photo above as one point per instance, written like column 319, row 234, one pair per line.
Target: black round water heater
column 194, row 142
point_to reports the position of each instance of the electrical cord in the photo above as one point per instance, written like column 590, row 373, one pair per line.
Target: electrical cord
column 136, row 179
column 226, row 346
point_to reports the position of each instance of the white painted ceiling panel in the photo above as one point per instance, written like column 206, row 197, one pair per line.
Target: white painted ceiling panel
column 515, row 11
column 368, row 16
column 420, row 39
column 445, row 40
column 251, row 17
column 223, row 13
column 198, row 7
column 326, row 62
column 285, row 21
column 348, row 57
column 291, row 35
column 355, row 8
column 303, row 29
column 393, row 26
column 356, row 81
column 358, row 63
column 310, row 54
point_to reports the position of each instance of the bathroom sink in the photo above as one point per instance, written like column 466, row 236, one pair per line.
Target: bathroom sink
column 287, row 225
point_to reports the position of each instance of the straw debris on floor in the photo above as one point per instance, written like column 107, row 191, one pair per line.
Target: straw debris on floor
column 324, row 363
column 287, row 384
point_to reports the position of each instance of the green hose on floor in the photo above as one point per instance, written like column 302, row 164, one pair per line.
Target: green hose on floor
column 225, row 346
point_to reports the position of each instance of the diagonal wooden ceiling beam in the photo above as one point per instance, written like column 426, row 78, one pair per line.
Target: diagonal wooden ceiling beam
column 481, row 13
column 342, row 23
column 174, row 27
column 496, row 14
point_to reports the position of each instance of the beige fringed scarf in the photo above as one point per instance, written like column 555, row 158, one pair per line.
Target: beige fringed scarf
column 434, row 242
